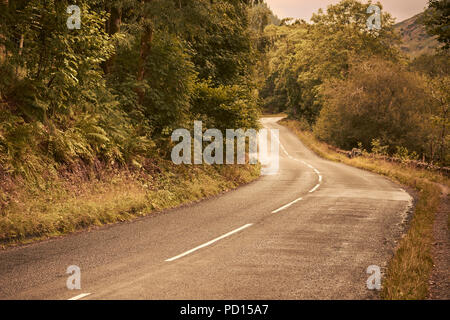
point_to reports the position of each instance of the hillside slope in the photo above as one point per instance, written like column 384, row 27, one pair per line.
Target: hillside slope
column 415, row 39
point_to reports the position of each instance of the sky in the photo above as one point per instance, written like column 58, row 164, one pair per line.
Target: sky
column 303, row 9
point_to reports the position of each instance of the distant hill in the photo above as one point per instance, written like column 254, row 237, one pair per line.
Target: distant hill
column 416, row 40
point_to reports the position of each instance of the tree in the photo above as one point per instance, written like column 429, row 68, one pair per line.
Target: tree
column 432, row 65
column 3, row 8
column 439, row 89
column 379, row 101
column 306, row 55
column 437, row 21
column 114, row 90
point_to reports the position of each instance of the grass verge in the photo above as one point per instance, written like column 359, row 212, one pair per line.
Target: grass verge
column 408, row 272
column 89, row 196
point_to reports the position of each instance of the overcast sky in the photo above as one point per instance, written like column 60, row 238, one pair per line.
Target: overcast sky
column 400, row 9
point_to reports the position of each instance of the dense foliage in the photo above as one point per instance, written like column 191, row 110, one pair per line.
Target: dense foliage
column 354, row 87
column 437, row 20
column 370, row 105
column 305, row 55
column 116, row 88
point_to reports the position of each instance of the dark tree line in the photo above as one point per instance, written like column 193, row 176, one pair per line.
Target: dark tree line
column 116, row 88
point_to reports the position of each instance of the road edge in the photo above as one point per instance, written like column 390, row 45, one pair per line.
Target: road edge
column 411, row 267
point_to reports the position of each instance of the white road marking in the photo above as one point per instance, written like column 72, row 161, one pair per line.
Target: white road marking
column 315, row 188
column 209, row 243
column 284, row 149
column 80, row 296
column 287, row 205
column 307, row 164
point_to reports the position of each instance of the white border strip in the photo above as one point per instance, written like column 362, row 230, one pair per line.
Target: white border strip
column 209, row 243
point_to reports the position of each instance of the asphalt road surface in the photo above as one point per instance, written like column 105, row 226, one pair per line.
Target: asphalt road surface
column 308, row 232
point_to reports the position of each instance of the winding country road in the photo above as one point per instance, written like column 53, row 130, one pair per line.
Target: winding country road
column 309, row 232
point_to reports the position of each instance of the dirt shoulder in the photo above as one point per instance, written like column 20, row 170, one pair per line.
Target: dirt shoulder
column 440, row 280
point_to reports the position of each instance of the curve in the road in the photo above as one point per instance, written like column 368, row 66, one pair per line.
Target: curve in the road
column 336, row 221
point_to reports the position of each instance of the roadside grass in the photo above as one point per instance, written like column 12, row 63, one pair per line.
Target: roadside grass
column 79, row 201
column 274, row 115
column 408, row 272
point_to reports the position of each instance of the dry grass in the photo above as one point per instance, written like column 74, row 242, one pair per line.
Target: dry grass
column 71, row 203
column 409, row 271
column 274, row 115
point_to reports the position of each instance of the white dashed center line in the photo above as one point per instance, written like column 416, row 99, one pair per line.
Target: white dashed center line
column 287, row 205
column 80, row 296
column 209, row 243
column 307, row 164
column 315, row 188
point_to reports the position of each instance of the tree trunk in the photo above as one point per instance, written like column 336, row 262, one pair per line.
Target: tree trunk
column 20, row 53
column 116, row 20
column 112, row 27
column 443, row 134
column 145, row 48
column 2, row 37
column 146, row 44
